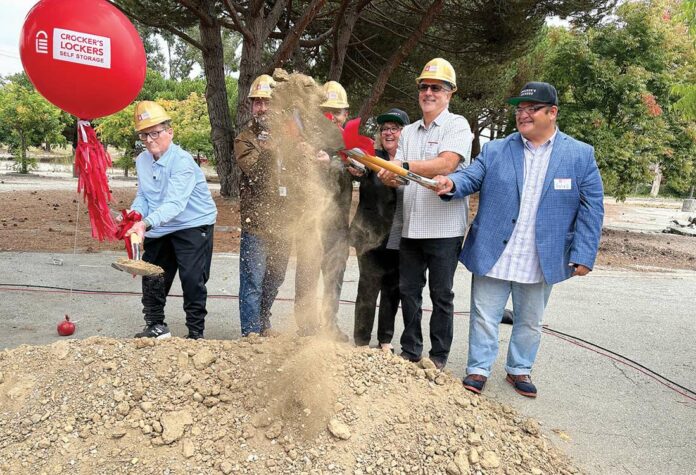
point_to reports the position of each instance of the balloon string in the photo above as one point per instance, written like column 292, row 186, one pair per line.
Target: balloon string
column 71, row 302
column 81, row 124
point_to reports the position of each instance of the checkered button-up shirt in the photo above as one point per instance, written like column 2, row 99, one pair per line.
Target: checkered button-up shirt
column 425, row 215
column 519, row 262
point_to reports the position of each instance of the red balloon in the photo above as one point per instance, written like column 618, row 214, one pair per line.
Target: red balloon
column 84, row 56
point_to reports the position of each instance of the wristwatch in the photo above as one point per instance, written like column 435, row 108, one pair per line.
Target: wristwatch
column 404, row 165
column 148, row 226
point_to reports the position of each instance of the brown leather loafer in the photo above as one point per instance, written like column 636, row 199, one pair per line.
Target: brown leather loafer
column 475, row 382
column 522, row 384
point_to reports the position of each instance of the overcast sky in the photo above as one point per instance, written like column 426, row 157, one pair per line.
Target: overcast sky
column 12, row 14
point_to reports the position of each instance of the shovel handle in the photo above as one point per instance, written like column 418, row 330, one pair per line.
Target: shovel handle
column 386, row 164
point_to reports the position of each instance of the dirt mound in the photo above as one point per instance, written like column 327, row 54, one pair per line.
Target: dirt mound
column 255, row 405
column 628, row 249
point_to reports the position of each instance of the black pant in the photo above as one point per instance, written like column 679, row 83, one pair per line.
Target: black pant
column 190, row 251
column 439, row 258
column 379, row 273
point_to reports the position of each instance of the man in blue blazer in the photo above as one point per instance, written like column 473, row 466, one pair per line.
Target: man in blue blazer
column 539, row 222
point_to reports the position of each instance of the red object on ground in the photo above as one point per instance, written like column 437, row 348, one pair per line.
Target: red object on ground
column 129, row 219
column 66, row 327
column 84, row 56
column 87, row 58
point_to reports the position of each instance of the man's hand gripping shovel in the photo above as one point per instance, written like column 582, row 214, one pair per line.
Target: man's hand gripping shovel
column 134, row 264
column 361, row 149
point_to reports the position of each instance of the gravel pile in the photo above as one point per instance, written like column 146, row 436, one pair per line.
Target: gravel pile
column 256, row 405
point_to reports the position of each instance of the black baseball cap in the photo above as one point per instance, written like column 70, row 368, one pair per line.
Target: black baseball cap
column 394, row 115
column 536, row 92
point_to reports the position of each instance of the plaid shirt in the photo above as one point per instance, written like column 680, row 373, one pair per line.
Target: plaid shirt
column 425, row 215
column 519, row 262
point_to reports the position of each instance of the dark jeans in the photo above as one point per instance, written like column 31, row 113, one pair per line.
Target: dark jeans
column 189, row 251
column 379, row 274
column 262, row 265
column 439, row 258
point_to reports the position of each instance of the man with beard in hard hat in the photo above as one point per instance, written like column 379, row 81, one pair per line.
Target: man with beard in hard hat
column 177, row 226
column 263, row 194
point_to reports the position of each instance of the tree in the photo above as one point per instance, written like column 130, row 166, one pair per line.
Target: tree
column 614, row 82
column 26, row 120
column 349, row 41
column 184, row 102
column 192, row 128
column 117, row 130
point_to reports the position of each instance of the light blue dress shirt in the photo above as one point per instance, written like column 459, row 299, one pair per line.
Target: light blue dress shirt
column 172, row 193
column 519, row 262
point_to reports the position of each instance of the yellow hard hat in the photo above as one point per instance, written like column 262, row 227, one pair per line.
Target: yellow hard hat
column 441, row 70
column 262, row 87
column 149, row 113
column 336, row 97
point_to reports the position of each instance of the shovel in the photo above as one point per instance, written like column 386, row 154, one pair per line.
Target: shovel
column 361, row 149
column 134, row 265
column 362, row 157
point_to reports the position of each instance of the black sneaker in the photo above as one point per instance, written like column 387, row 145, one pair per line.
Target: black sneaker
column 193, row 335
column 159, row 331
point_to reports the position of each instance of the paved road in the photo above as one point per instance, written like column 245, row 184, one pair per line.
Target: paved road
column 618, row 420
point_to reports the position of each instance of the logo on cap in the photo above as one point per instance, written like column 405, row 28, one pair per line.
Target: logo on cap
column 431, row 68
column 144, row 115
column 528, row 92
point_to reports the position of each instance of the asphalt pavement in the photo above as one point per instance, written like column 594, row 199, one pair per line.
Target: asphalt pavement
column 610, row 415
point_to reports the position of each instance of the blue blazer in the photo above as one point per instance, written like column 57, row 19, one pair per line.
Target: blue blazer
column 568, row 222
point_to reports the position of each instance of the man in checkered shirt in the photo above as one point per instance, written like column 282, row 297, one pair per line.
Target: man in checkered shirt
column 433, row 229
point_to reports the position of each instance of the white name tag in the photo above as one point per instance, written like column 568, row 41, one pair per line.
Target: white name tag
column 562, row 184
column 431, row 149
column 282, row 191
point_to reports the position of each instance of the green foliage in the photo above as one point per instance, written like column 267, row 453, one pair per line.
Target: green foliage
column 189, row 120
column 185, row 102
column 614, row 82
column 27, row 120
column 191, row 124
column 117, row 130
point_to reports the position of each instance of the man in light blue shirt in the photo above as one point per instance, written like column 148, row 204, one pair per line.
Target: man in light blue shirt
column 177, row 226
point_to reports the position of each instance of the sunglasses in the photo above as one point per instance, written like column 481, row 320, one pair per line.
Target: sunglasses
column 154, row 135
column 422, row 87
column 531, row 110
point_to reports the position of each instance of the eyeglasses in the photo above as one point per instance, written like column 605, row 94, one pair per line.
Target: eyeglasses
column 154, row 135
column 422, row 87
column 393, row 130
column 531, row 110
